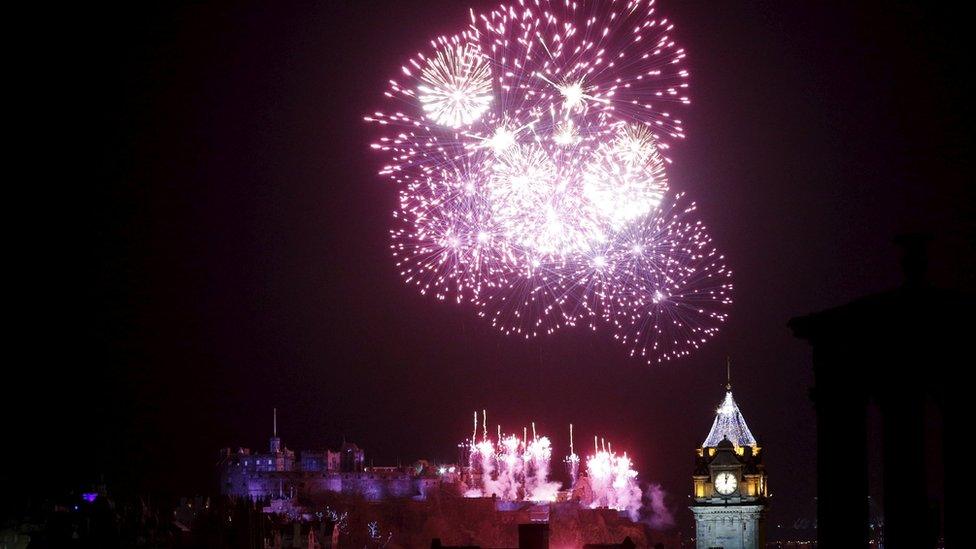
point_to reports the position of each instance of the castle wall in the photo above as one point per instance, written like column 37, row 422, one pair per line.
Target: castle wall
column 316, row 475
column 315, row 486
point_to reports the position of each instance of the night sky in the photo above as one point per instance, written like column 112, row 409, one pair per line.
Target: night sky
column 211, row 240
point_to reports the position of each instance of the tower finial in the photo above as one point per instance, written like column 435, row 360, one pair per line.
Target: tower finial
column 275, row 442
column 728, row 373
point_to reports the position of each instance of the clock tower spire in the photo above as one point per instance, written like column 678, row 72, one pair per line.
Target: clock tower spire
column 730, row 491
column 728, row 374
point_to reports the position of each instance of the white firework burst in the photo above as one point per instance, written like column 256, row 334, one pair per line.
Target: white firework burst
column 456, row 85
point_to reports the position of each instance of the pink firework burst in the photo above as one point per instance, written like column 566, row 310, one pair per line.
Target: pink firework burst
column 530, row 153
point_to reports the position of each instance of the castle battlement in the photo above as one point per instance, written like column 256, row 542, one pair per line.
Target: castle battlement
column 313, row 474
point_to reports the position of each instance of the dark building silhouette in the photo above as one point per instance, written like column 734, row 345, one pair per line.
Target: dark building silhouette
column 536, row 536
column 902, row 351
column 530, row 536
column 533, row 536
column 627, row 543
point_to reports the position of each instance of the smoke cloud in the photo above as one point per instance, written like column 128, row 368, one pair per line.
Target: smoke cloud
column 659, row 517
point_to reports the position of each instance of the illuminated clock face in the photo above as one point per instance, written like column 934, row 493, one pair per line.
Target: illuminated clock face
column 725, row 483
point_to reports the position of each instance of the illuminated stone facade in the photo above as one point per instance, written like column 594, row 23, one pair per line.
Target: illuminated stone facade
column 730, row 489
column 278, row 474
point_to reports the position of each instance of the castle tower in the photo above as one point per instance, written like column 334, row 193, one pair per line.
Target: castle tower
column 730, row 492
column 275, row 442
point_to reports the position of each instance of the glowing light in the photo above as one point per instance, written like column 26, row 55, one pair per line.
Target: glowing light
column 566, row 134
column 729, row 424
column 572, row 95
column 501, row 140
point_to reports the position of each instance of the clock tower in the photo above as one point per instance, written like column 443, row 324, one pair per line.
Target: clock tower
column 730, row 491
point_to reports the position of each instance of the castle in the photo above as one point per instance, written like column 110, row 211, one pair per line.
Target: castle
column 277, row 474
column 417, row 503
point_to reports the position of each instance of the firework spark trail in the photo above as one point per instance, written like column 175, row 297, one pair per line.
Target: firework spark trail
column 572, row 461
column 530, row 150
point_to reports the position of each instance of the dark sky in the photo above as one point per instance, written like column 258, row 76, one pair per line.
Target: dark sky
column 211, row 239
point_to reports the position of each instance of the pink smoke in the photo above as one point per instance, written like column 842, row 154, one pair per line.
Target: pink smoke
column 660, row 517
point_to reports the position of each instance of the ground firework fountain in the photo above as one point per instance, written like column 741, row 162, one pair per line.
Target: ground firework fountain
column 518, row 469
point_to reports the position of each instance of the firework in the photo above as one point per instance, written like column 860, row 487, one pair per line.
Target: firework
column 456, row 85
column 514, row 468
column 511, row 468
column 572, row 461
column 668, row 286
column 531, row 151
column 517, row 469
column 626, row 180
column 613, row 482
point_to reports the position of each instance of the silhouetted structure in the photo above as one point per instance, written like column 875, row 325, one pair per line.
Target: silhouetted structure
column 533, row 536
column 530, row 536
column 898, row 349
column 436, row 544
column 536, row 536
column 627, row 543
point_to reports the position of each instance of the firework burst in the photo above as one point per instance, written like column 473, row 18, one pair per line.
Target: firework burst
column 531, row 152
column 456, row 85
